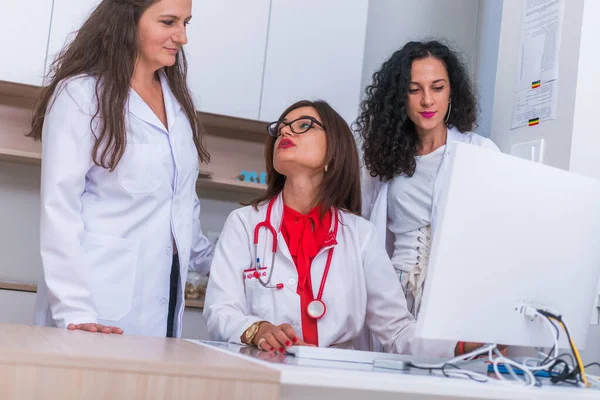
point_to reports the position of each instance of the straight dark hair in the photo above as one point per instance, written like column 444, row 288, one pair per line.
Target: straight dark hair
column 341, row 185
column 106, row 47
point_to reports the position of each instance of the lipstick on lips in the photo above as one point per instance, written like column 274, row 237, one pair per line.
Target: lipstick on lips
column 286, row 143
column 427, row 114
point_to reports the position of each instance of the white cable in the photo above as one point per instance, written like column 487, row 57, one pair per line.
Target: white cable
column 528, row 370
column 464, row 357
column 508, row 367
column 529, row 382
column 594, row 380
column 555, row 355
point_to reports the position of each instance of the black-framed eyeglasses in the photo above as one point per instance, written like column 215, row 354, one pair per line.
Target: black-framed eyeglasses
column 298, row 126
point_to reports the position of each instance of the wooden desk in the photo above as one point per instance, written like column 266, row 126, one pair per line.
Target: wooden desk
column 50, row 363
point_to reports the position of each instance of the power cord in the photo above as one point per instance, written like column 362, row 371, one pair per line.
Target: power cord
column 559, row 369
column 580, row 370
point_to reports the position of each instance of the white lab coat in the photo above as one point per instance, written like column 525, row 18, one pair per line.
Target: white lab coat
column 361, row 286
column 375, row 195
column 106, row 238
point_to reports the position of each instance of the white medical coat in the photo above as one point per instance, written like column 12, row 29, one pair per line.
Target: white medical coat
column 106, row 238
column 361, row 286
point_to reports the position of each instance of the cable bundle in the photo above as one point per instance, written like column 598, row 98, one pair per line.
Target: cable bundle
column 551, row 364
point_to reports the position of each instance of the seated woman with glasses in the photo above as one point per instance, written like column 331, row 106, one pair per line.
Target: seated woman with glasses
column 299, row 266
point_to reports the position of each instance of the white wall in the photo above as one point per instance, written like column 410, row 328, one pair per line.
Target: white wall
column 392, row 23
column 572, row 140
column 556, row 133
column 586, row 134
column 489, row 22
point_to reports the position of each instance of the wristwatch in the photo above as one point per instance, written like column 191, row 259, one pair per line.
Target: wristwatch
column 250, row 333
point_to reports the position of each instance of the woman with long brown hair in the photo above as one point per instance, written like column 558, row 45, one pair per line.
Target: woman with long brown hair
column 121, row 146
column 299, row 266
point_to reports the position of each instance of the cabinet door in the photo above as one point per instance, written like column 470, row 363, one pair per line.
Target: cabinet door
column 194, row 325
column 315, row 51
column 17, row 307
column 67, row 18
column 23, row 39
column 226, row 54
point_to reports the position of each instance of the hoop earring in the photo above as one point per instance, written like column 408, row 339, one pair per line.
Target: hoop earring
column 449, row 111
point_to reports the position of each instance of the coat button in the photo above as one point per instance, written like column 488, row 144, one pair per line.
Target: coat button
column 291, row 281
column 168, row 250
column 163, row 302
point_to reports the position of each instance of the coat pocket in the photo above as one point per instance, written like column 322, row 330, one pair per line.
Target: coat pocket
column 113, row 264
column 256, row 294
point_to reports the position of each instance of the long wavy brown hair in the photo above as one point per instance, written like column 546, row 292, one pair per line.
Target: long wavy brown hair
column 106, row 47
column 340, row 187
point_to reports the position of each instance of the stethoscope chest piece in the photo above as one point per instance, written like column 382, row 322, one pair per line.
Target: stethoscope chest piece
column 316, row 309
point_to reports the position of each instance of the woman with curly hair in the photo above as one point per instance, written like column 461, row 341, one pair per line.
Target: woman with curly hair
column 420, row 100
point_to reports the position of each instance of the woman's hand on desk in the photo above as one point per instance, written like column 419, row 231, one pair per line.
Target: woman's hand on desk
column 277, row 337
column 95, row 328
column 468, row 347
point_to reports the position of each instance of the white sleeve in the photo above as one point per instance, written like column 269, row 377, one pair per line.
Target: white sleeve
column 489, row 144
column 66, row 158
column 387, row 314
column 225, row 306
column 201, row 252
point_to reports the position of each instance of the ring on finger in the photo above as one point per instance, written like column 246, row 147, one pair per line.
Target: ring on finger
column 260, row 342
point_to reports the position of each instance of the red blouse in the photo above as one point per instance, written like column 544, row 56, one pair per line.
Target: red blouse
column 305, row 235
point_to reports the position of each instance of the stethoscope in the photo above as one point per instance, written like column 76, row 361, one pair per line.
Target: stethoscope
column 316, row 308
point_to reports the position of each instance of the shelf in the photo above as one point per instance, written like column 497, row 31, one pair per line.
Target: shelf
column 18, row 90
column 213, row 183
column 214, row 124
column 235, row 144
column 21, row 157
column 32, row 288
column 232, row 185
column 18, row 286
column 234, row 128
column 190, row 303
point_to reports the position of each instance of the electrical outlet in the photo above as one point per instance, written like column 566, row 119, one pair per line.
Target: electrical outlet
column 532, row 151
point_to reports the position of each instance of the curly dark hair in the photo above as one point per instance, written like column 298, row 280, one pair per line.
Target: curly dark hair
column 390, row 141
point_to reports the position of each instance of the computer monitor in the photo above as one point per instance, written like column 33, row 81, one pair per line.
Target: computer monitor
column 511, row 232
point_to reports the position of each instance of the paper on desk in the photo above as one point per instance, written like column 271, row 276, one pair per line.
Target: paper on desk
column 539, row 45
column 535, row 105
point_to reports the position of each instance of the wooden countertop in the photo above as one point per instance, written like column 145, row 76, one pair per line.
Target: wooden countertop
column 52, row 349
column 60, row 347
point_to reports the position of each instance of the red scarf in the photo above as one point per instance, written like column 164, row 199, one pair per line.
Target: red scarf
column 305, row 235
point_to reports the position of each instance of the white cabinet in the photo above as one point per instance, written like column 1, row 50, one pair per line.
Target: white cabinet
column 16, row 307
column 194, row 325
column 23, row 40
column 315, row 51
column 226, row 52
column 67, row 18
